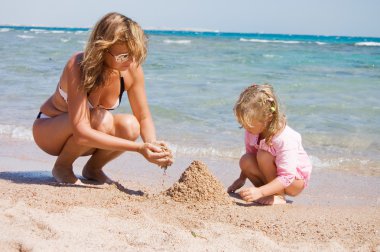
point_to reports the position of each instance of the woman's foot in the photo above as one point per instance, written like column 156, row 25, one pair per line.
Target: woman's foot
column 63, row 174
column 97, row 175
column 272, row 200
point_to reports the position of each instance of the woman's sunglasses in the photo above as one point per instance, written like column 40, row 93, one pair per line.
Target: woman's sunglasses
column 120, row 58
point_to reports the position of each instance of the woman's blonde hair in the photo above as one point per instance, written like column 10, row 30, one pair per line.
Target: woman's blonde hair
column 111, row 29
column 259, row 102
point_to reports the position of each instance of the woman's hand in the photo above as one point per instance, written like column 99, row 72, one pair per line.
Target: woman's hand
column 164, row 147
column 154, row 153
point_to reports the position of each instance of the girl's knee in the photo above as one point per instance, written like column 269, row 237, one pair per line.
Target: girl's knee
column 102, row 120
column 127, row 126
column 246, row 161
column 264, row 157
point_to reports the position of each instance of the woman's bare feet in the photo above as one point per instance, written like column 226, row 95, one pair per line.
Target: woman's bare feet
column 272, row 200
column 237, row 184
column 97, row 175
column 65, row 174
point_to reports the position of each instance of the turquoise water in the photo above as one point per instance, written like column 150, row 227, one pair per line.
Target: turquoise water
column 329, row 88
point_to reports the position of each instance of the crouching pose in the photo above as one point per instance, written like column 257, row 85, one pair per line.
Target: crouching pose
column 275, row 160
column 76, row 120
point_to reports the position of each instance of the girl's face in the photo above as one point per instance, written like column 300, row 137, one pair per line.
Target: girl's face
column 117, row 57
column 256, row 127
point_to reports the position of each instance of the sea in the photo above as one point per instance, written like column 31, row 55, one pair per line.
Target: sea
column 329, row 88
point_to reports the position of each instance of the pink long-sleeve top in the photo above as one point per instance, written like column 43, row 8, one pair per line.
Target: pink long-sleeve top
column 291, row 159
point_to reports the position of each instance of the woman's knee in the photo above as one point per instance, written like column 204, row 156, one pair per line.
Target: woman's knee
column 127, row 126
column 102, row 120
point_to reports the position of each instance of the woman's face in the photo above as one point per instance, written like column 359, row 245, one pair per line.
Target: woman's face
column 117, row 57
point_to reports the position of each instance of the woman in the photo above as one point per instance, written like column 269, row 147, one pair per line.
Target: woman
column 76, row 120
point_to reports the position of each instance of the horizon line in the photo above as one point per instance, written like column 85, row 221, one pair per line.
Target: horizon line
column 184, row 30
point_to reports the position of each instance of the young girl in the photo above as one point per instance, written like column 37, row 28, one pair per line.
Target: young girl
column 76, row 120
column 275, row 161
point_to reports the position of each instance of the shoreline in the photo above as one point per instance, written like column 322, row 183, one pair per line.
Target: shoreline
column 40, row 214
column 328, row 187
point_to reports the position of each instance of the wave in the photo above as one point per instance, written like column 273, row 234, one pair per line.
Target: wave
column 5, row 30
column 367, row 44
column 270, row 41
column 280, row 41
column 181, row 41
column 16, row 132
column 25, row 36
column 151, row 28
column 37, row 31
column 65, row 40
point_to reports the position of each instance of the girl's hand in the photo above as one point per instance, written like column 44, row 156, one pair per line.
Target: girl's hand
column 251, row 194
column 237, row 184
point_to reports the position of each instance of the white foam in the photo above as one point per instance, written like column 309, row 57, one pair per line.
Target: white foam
column 64, row 40
column 25, row 36
column 183, row 41
column 271, row 56
column 269, row 41
column 57, row 31
column 16, row 132
column 367, row 44
column 5, row 30
column 153, row 28
column 320, row 43
column 207, row 151
column 37, row 31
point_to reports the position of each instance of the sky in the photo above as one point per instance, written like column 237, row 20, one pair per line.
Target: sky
column 314, row 17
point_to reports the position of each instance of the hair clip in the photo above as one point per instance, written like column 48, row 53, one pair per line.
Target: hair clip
column 273, row 109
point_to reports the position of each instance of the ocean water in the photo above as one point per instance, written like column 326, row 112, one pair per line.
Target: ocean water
column 329, row 88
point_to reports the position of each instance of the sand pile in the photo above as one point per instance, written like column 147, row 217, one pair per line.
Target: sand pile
column 197, row 184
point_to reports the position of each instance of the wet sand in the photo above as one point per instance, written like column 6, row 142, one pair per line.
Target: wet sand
column 339, row 211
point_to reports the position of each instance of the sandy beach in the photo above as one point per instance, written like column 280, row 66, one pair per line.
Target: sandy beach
column 38, row 214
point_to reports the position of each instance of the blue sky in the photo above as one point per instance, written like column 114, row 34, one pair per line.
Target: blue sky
column 320, row 17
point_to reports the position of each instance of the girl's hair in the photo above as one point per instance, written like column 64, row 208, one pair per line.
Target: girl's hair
column 259, row 102
column 111, row 29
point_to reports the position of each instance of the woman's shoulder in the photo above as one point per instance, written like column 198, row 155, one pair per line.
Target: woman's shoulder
column 73, row 64
column 134, row 74
column 75, row 59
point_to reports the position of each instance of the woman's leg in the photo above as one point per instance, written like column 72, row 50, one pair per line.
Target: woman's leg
column 54, row 136
column 121, row 125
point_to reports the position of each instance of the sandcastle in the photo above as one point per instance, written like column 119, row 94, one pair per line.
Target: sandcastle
column 198, row 184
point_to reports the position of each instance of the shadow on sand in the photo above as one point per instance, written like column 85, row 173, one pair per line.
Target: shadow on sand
column 240, row 202
column 45, row 178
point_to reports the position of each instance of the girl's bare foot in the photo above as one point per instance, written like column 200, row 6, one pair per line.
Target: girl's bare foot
column 97, row 175
column 272, row 200
column 64, row 174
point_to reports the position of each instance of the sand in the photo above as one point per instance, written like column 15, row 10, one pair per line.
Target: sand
column 38, row 214
column 197, row 184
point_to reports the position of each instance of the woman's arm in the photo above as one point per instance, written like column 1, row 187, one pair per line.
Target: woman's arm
column 79, row 115
column 139, row 104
